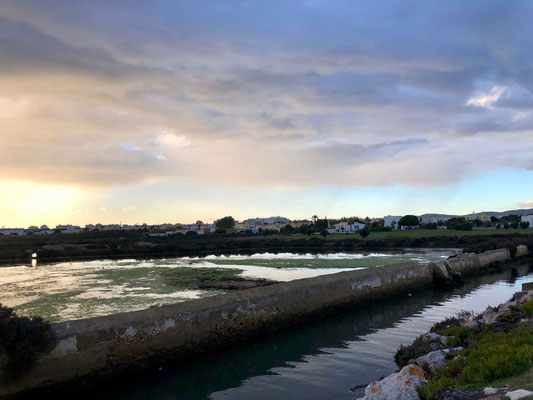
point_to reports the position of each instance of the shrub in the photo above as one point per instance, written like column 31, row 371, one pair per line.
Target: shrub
column 22, row 340
column 463, row 227
column 527, row 308
column 416, row 349
column 364, row 232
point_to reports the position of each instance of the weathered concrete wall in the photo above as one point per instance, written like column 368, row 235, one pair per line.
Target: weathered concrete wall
column 100, row 345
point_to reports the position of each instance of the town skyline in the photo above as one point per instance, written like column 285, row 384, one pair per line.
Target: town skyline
column 212, row 221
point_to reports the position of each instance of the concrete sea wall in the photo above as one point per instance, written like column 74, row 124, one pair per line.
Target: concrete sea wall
column 130, row 340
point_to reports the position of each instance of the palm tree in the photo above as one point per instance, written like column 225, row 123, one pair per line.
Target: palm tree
column 314, row 218
column 199, row 224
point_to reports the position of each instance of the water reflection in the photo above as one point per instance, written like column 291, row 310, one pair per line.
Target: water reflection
column 321, row 359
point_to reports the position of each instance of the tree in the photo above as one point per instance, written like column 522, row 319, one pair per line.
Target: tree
column 364, row 232
column 199, row 224
column 314, row 218
column 324, row 232
column 321, row 224
column 226, row 223
column 452, row 222
column 288, row 229
column 409, row 220
column 524, row 224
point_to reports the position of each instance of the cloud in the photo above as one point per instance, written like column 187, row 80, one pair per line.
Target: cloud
column 129, row 209
column 526, row 204
column 486, row 100
column 273, row 93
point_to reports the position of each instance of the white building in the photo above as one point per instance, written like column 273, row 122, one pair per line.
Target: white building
column 267, row 221
column 432, row 219
column 344, row 227
column 69, row 228
column 391, row 221
column 12, row 232
column 481, row 216
column 528, row 218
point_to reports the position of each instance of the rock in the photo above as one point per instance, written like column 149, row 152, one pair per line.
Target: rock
column 446, row 351
column 461, row 395
column 441, row 274
column 470, row 323
column 490, row 391
column 434, row 360
column 434, row 346
column 432, row 337
column 519, row 394
column 398, row 386
column 506, row 306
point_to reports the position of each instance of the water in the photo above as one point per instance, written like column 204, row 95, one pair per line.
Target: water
column 74, row 290
column 319, row 360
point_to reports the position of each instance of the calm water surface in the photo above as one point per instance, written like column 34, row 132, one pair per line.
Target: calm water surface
column 319, row 360
column 75, row 290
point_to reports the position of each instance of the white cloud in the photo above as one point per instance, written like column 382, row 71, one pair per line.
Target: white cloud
column 486, row 100
column 129, row 209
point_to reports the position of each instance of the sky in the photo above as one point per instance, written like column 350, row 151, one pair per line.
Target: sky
column 164, row 111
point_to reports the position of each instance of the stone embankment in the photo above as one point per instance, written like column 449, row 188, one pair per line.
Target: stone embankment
column 405, row 385
column 103, row 345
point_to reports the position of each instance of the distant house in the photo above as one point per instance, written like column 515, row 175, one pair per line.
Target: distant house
column 268, row 221
column 69, row 228
column 432, row 219
column 345, row 227
column 391, row 221
column 481, row 216
column 12, row 232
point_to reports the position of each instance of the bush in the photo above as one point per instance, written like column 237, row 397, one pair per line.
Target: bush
column 22, row 340
column 417, row 349
column 463, row 227
column 364, row 232
column 527, row 308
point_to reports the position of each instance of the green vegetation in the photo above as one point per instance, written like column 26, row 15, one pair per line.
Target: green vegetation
column 465, row 226
column 210, row 278
column 491, row 357
column 225, row 223
column 364, row 232
column 22, row 340
column 416, row 349
column 526, row 308
column 409, row 220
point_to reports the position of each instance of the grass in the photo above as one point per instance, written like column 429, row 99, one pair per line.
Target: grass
column 210, row 278
column 417, row 233
column 491, row 358
column 527, row 308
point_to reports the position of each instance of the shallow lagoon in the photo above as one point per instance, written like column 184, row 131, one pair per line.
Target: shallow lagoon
column 84, row 289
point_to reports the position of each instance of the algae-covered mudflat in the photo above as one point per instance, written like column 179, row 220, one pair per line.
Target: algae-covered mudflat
column 74, row 290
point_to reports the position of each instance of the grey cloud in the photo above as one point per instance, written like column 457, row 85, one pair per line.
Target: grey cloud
column 317, row 94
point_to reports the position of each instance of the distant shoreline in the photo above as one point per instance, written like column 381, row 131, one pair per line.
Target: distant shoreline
column 137, row 244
